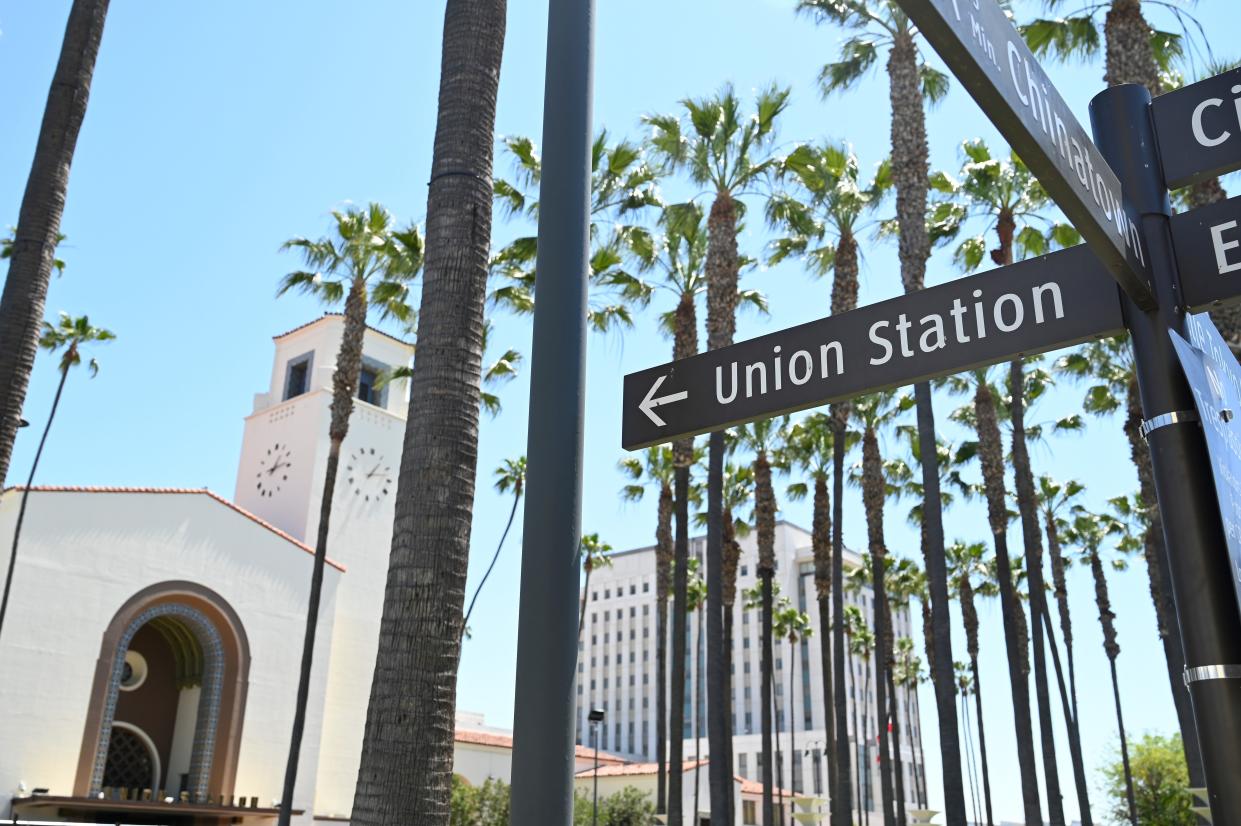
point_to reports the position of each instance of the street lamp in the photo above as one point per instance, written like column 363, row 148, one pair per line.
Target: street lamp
column 595, row 717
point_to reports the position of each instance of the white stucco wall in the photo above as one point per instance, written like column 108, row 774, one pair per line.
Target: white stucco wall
column 82, row 556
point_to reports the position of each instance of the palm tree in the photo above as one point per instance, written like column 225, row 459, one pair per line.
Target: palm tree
column 594, row 555
column 1135, row 52
column 965, row 684
column 729, row 153
column 1088, row 531
column 509, row 476
column 764, row 439
column 982, row 414
column 1010, row 200
column 1112, row 387
column 369, row 263
column 696, row 598
column 406, row 770
column 32, row 256
column 657, row 468
column 821, row 219
column 623, row 186
column 965, row 561
column 70, row 334
column 908, row 671
column 809, row 450
column 875, row 26
column 861, row 645
column 794, row 626
column 875, row 412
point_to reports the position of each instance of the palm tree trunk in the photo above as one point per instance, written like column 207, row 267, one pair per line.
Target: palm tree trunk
column 1070, row 720
column 841, row 793
column 991, row 456
column 982, row 742
column 38, row 220
column 698, row 663
column 779, row 756
column 765, row 669
column 793, row 759
column 1027, row 505
column 857, row 736
column 970, row 758
column 969, row 618
column 873, row 494
column 404, row 778
column 663, row 564
column 344, row 386
column 21, row 510
column 465, row 623
column 894, row 737
column 680, row 585
column 1112, row 648
column 581, row 611
column 870, row 785
column 1061, row 590
column 821, row 540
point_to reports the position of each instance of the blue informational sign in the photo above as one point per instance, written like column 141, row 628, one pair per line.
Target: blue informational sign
column 1215, row 378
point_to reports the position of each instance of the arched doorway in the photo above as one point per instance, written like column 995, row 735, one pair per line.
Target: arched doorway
column 169, row 696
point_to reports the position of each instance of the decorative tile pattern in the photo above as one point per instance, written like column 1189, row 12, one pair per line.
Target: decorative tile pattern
column 209, row 700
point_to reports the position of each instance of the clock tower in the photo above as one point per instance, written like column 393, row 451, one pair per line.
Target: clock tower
column 280, row 479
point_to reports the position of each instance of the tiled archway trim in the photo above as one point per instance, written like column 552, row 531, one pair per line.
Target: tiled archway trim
column 209, row 700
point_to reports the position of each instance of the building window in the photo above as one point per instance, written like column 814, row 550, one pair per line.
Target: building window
column 646, row 610
column 594, row 596
column 817, row 762
column 297, row 375
column 745, row 570
column 368, row 378
column 742, row 764
column 646, row 587
column 633, row 589
column 633, row 610
column 607, row 593
column 607, row 615
column 749, row 814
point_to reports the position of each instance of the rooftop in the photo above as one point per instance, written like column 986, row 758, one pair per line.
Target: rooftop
column 180, row 491
column 341, row 315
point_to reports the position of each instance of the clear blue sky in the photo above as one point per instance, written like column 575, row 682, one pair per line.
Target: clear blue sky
column 218, row 130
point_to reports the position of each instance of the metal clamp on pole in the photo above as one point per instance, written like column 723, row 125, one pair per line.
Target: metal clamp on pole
column 1165, row 419
column 1212, row 672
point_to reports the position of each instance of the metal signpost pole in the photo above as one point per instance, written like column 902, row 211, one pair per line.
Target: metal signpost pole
column 1201, row 580
column 719, row 683
column 545, row 699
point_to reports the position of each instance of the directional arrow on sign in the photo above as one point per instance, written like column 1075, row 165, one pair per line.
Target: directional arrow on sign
column 649, row 403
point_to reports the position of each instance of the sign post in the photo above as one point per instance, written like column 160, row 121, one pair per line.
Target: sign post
column 1206, row 604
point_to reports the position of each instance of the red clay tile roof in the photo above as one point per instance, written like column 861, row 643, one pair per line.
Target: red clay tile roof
column 756, row 788
column 341, row 315
column 217, row 497
column 505, row 741
column 632, row 769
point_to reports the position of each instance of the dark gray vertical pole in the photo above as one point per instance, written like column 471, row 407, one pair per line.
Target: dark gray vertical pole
column 1206, row 607
column 545, row 696
column 719, row 705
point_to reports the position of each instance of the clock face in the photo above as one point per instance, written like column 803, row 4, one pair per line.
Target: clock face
column 368, row 474
column 273, row 469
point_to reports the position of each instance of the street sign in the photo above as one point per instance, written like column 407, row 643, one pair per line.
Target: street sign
column 1041, row 304
column 1207, row 241
column 1215, row 379
column 1198, row 129
column 990, row 58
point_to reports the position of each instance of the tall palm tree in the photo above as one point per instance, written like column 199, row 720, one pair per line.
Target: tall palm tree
column 861, row 646
column 809, row 451
column 1010, row 201
column 875, row 412
column 696, row 598
column 729, row 153
column 820, row 215
column 32, row 256
column 1135, row 52
column 965, row 562
column 657, row 469
column 623, row 187
column 406, row 769
column 1088, row 531
column 1107, row 368
column 875, row 26
column 908, row 675
column 368, row 263
column 965, row 684
column 765, row 439
column 510, row 476
column 595, row 554
column 983, row 416
column 794, row 626
column 69, row 334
